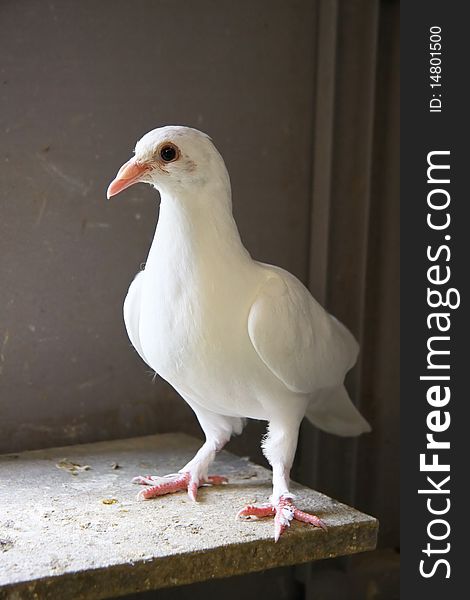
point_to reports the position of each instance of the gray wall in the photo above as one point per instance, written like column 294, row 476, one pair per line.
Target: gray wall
column 300, row 98
column 81, row 82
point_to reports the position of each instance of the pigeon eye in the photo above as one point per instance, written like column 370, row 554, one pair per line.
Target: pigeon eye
column 168, row 153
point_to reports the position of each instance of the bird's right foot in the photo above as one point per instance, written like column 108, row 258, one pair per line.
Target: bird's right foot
column 168, row 484
column 284, row 511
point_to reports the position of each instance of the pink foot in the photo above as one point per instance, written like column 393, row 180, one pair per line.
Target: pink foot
column 159, row 486
column 283, row 512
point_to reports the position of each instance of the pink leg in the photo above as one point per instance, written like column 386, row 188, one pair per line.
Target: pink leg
column 159, row 486
column 284, row 512
column 194, row 474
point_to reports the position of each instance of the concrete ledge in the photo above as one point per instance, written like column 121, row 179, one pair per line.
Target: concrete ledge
column 73, row 533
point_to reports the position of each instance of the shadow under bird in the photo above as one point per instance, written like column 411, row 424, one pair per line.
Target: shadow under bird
column 236, row 338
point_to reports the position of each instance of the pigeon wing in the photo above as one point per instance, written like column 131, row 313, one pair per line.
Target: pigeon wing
column 304, row 346
column 132, row 313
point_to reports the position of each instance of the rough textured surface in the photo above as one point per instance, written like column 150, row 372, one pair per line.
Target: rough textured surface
column 68, row 532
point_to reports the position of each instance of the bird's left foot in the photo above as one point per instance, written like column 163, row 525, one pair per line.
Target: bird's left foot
column 168, row 484
column 283, row 512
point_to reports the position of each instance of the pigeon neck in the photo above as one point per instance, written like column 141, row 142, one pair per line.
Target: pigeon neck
column 197, row 228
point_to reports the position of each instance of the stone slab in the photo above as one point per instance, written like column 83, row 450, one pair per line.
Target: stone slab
column 74, row 533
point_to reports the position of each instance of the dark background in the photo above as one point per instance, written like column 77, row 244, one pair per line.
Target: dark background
column 301, row 98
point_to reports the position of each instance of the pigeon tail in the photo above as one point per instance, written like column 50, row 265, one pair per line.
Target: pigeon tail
column 332, row 411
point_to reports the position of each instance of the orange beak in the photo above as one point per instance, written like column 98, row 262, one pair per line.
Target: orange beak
column 131, row 172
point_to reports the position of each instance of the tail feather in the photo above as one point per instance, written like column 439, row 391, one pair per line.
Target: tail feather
column 333, row 411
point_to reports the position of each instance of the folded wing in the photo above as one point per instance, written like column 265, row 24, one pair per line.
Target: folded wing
column 303, row 345
column 132, row 313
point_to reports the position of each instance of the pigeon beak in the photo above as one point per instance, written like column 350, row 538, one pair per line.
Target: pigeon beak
column 131, row 172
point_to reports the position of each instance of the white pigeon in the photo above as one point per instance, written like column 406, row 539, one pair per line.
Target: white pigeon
column 235, row 337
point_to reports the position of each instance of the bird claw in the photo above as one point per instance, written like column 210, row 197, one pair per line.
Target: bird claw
column 256, row 512
column 284, row 512
column 168, row 484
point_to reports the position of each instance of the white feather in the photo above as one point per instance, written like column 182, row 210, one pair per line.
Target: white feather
column 131, row 312
column 296, row 338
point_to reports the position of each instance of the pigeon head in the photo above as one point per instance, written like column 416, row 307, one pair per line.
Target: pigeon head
column 174, row 160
